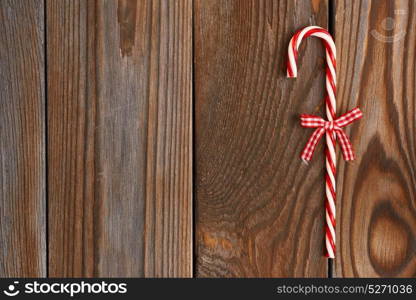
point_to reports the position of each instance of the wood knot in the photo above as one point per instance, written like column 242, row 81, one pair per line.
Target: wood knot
column 389, row 240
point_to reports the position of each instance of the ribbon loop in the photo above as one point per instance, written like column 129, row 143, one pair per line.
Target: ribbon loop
column 330, row 127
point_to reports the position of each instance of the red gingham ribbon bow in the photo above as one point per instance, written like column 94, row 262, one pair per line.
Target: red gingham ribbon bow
column 323, row 126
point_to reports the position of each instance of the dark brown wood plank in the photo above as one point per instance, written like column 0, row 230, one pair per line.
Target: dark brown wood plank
column 259, row 209
column 377, row 193
column 120, row 97
column 22, row 139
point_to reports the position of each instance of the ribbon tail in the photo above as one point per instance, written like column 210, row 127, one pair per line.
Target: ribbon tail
column 311, row 145
column 346, row 146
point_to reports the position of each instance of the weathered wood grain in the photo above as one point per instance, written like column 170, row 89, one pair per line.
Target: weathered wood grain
column 259, row 209
column 22, row 139
column 120, row 139
column 377, row 193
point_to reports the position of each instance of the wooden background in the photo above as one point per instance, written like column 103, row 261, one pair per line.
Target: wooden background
column 160, row 138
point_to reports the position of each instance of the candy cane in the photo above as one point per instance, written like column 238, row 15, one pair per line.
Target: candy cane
column 332, row 127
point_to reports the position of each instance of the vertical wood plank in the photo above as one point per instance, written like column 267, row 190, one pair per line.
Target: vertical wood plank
column 259, row 209
column 377, row 193
column 120, row 140
column 22, row 140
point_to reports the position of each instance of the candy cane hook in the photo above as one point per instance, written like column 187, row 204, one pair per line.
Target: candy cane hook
column 332, row 127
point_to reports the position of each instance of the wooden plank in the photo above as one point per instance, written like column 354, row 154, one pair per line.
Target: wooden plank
column 22, row 140
column 120, row 97
column 377, row 209
column 259, row 209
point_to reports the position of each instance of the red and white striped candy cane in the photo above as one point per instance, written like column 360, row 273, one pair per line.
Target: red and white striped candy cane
column 330, row 112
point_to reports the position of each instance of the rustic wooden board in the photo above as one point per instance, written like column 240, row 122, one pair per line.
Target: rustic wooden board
column 22, row 139
column 377, row 203
column 259, row 210
column 119, row 138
